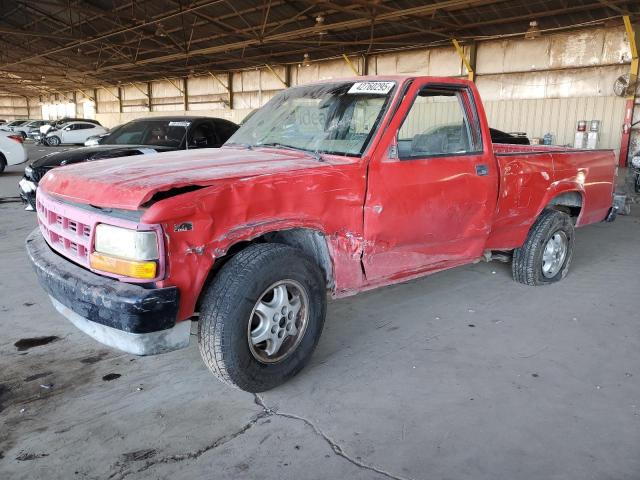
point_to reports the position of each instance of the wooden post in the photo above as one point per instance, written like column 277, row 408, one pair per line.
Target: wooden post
column 230, row 89
column 149, row 90
column 95, row 95
column 287, row 74
column 185, row 93
column 120, row 99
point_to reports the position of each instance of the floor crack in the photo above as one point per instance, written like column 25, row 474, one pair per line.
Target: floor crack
column 265, row 412
column 335, row 447
column 179, row 457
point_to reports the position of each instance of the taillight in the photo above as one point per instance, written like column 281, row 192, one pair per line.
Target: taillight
column 17, row 138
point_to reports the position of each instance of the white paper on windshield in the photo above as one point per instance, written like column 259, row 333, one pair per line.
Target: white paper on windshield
column 371, row 87
column 179, row 124
column 147, row 151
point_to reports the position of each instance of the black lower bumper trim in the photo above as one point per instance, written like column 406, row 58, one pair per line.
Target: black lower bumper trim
column 126, row 307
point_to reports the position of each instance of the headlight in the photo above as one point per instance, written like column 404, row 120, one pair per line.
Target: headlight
column 125, row 252
column 635, row 161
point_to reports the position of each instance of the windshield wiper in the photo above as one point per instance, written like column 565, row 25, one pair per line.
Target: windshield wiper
column 313, row 154
column 248, row 146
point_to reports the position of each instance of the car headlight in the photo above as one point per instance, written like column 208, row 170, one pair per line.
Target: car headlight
column 635, row 161
column 125, row 252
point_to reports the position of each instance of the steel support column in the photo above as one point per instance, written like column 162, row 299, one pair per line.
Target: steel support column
column 631, row 98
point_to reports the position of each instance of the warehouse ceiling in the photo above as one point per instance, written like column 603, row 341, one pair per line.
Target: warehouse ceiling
column 49, row 46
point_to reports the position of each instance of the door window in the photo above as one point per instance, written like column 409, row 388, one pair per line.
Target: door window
column 437, row 124
column 225, row 129
column 202, row 135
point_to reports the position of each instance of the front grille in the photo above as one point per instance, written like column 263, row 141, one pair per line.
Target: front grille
column 66, row 229
column 69, row 230
column 37, row 174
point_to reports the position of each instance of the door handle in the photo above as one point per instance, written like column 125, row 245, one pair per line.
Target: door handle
column 482, row 170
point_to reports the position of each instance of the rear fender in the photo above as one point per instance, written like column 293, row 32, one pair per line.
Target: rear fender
column 563, row 193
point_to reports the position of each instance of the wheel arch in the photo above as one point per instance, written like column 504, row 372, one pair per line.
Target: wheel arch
column 570, row 202
column 313, row 242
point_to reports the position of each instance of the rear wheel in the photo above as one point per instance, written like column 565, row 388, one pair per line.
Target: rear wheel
column 546, row 254
column 53, row 141
column 3, row 163
column 262, row 317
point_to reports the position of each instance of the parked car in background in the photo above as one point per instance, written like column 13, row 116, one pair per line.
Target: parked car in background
column 9, row 126
column 94, row 140
column 29, row 127
column 44, row 129
column 12, row 151
column 138, row 137
column 2, row 121
column 73, row 132
column 517, row 138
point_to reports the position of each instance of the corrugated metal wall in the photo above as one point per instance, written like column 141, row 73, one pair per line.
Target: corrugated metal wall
column 537, row 86
column 558, row 116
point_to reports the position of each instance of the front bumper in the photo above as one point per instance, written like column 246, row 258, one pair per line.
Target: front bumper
column 27, row 190
column 129, row 317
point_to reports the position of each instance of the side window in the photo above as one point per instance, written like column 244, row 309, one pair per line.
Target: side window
column 437, row 124
column 202, row 135
column 84, row 126
column 225, row 130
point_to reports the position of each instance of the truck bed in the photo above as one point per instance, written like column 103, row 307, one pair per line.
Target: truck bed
column 531, row 176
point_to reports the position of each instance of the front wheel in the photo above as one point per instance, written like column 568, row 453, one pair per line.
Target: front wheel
column 53, row 141
column 547, row 252
column 262, row 316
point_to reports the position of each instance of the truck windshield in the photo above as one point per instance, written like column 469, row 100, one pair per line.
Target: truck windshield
column 334, row 118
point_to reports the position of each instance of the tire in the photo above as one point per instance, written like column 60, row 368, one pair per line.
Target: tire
column 529, row 266
column 230, row 311
column 53, row 141
column 3, row 163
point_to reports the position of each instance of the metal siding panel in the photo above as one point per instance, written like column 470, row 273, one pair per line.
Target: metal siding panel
column 558, row 116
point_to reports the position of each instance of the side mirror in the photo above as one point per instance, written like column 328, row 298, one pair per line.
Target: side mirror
column 66, row 129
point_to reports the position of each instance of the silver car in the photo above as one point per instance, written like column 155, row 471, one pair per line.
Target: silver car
column 30, row 127
column 8, row 127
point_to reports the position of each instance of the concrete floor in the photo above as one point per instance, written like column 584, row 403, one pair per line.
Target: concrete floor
column 461, row 375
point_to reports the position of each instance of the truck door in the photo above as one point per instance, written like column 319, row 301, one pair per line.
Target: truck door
column 432, row 185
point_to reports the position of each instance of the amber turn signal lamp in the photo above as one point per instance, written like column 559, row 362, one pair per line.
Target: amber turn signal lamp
column 121, row 266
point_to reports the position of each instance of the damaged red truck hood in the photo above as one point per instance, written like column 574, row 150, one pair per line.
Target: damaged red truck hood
column 127, row 183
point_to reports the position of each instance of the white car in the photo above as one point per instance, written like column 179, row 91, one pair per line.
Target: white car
column 73, row 132
column 12, row 151
column 8, row 127
column 31, row 126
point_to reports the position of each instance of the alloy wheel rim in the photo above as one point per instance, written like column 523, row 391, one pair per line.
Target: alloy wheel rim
column 278, row 321
column 554, row 254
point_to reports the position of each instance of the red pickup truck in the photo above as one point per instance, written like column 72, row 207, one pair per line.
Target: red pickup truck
column 339, row 187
